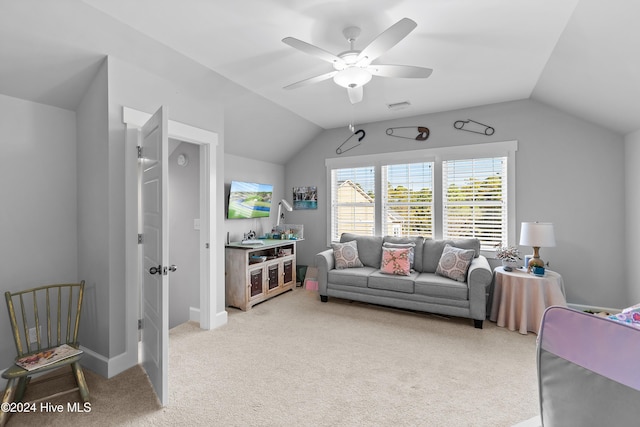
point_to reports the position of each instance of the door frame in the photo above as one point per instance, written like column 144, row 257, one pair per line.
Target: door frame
column 208, row 141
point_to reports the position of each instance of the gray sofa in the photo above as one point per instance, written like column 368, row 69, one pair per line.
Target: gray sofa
column 421, row 290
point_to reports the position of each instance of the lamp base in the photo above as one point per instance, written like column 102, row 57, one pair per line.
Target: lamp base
column 535, row 260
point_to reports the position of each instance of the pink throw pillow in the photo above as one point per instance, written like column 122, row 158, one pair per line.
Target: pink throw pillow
column 395, row 261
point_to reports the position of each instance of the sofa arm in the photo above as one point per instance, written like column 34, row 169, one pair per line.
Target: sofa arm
column 325, row 262
column 478, row 279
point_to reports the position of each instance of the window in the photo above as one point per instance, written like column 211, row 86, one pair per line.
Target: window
column 352, row 201
column 475, row 199
column 407, row 199
column 443, row 193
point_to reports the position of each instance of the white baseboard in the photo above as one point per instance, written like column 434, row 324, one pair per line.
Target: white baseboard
column 108, row 367
column 98, row 364
column 220, row 319
column 194, row 314
column 94, row 361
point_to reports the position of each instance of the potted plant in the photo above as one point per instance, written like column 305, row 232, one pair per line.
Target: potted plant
column 510, row 255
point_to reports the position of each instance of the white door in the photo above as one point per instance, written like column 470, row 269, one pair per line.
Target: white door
column 155, row 282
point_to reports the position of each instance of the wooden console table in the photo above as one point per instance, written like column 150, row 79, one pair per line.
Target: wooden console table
column 249, row 280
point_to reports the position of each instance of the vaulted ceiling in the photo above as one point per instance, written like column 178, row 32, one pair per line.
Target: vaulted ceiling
column 576, row 55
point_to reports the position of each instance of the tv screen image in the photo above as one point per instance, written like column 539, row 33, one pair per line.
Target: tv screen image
column 249, row 200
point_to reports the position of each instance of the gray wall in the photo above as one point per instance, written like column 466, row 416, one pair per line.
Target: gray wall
column 569, row 172
column 184, row 239
column 632, row 227
column 38, row 217
column 93, row 218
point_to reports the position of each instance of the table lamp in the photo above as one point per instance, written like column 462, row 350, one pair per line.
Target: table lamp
column 287, row 206
column 537, row 235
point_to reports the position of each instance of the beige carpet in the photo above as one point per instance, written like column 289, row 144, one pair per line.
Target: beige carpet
column 296, row 361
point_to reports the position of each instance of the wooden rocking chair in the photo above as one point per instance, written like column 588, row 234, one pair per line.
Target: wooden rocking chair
column 60, row 307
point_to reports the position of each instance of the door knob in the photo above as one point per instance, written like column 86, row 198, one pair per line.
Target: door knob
column 155, row 270
column 173, row 268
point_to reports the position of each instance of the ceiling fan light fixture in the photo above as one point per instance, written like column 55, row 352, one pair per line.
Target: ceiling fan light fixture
column 352, row 77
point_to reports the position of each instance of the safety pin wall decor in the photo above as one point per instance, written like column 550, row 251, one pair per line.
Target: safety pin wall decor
column 417, row 133
column 473, row 126
column 340, row 150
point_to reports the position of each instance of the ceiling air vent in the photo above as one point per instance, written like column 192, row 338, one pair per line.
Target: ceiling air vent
column 399, row 105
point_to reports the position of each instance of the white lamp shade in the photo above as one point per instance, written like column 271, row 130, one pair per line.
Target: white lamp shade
column 537, row 234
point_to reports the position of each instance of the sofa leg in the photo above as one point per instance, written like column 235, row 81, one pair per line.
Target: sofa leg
column 324, row 298
column 477, row 323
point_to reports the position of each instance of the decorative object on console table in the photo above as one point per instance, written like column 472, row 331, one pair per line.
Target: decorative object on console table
column 538, row 271
column 537, row 235
column 509, row 256
column 289, row 231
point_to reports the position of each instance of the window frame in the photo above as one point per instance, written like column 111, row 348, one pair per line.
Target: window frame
column 437, row 155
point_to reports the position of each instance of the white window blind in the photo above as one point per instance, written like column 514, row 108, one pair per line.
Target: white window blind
column 352, row 201
column 475, row 199
column 407, row 199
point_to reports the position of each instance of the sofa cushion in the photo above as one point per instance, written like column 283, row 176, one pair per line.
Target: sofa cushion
column 351, row 276
column 369, row 248
column 432, row 251
column 469, row 243
column 417, row 243
column 379, row 280
column 432, row 285
column 396, row 261
column 346, row 254
column 455, row 262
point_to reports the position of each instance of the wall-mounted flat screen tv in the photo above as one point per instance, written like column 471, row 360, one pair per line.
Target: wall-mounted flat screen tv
column 249, row 200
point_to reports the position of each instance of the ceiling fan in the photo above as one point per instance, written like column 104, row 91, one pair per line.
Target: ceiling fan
column 353, row 69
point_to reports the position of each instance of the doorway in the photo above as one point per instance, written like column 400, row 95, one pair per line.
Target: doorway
column 184, row 232
column 211, row 256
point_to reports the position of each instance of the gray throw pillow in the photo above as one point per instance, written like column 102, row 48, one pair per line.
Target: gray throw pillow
column 454, row 263
column 346, row 254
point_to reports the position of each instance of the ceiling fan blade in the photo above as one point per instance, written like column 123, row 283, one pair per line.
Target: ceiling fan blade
column 312, row 80
column 312, row 50
column 355, row 94
column 402, row 71
column 385, row 41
